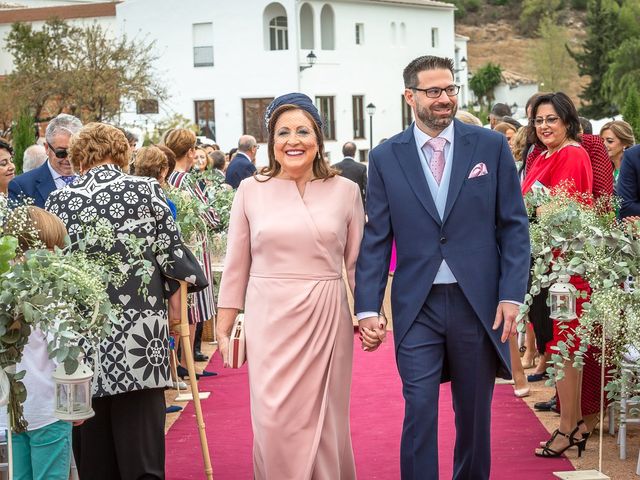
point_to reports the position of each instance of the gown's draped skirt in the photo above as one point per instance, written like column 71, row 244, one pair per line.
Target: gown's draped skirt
column 299, row 350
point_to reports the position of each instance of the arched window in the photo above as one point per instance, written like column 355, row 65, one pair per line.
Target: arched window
column 276, row 34
column 403, row 34
column 306, row 27
column 393, row 33
column 327, row 28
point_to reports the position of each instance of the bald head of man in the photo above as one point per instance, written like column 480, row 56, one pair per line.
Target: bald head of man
column 247, row 144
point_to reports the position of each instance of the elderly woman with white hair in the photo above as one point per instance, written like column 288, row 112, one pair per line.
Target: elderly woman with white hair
column 33, row 157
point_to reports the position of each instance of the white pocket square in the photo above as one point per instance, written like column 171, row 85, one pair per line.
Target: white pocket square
column 479, row 170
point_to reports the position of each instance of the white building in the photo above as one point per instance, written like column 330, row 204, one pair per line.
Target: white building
column 223, row 62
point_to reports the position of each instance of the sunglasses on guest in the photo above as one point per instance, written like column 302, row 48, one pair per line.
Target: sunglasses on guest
column 59, row 152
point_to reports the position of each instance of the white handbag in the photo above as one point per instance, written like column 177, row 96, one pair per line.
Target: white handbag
column 237, row 354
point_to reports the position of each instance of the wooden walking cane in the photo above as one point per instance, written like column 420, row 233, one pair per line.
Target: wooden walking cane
column 186, row 349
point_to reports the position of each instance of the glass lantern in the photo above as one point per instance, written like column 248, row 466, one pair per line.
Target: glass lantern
column 562, row 296
column 73, row 393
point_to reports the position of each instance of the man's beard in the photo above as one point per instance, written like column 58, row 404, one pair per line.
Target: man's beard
column 433, row 121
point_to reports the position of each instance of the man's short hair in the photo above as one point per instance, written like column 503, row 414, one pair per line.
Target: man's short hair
column 62, row 124
column 420, row 64
column 586, row 125
column 218, row 159
column 501, row 110
column 349, row 149
column 246, row 143
column 511, row 121
column 33, row 157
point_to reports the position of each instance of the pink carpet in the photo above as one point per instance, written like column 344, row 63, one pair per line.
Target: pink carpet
column 376, row 423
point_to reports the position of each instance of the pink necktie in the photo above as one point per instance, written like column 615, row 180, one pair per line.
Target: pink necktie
column 437, row 159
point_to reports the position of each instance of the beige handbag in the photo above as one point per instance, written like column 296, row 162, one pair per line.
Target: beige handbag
column 237, row 355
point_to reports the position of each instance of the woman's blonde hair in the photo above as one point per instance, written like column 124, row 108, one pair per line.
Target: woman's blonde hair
column 468, row 118
column 35, row 228
column 504, row 127
column 519, row 143
column 622, row 130
column 96, row 143
column 150, row 162
column 320, row 168
column 180, row 141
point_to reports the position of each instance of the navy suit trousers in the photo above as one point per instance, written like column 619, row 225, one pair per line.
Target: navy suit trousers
column 446, row 334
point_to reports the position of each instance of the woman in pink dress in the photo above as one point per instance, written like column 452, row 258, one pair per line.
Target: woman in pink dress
column 292, row 227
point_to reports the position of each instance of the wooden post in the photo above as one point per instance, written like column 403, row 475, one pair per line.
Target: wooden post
column 186, row 350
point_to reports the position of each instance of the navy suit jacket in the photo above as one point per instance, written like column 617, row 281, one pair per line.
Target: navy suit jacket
column 354, row 171
column 36, row 184
column 483, row 236
column 628, row 187
column 239, row 169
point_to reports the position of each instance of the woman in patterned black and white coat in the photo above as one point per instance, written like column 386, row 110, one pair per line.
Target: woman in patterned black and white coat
column 126, row 437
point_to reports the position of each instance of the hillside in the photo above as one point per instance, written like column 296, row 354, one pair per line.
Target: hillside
column 494, row 36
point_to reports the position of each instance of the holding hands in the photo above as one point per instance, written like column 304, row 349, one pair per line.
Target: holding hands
column 373, row 331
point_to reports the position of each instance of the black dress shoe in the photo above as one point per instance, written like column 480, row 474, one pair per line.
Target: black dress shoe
column 546, row 406
column 200, row 357
column 183, row 372
column 207, row 373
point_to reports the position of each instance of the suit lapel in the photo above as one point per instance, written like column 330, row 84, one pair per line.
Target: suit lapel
column 464, row 145
column 44, row 183
column 407, row 156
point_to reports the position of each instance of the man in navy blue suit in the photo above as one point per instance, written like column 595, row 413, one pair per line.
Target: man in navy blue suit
column 56, row 172
column 243, row 164
column 448, row 193
column 628, row 187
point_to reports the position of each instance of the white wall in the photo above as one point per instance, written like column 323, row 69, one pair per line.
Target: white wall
column 519, row 95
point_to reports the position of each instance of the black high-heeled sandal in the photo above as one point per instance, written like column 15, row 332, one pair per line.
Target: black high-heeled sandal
column 548, row 452
column 585, row 435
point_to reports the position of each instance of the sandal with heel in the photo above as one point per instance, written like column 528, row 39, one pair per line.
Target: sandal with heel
column 548, row 452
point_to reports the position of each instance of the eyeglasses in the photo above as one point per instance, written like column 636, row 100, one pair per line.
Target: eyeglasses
column 59, row 152
column 435, row 92
column 550, row 120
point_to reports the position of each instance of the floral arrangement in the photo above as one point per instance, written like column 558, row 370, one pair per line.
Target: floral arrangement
column 575, row 235
column 192, row 210
column 63, row 292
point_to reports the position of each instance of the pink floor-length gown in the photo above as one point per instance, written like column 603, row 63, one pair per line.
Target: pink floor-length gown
column 284, row 267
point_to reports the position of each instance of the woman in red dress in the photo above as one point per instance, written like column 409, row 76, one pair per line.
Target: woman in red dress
column 555, row 123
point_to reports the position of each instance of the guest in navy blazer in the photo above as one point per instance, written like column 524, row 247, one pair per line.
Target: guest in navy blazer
column 629, row 183
column 243, row 164
column 56, row 172
column 448, row 193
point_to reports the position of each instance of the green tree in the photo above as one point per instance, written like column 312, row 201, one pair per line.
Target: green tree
column 85, row 71
column 631, row 112
column 554, row 65
column 623, row 75
column 484, row 81
column 24, row 135
column 593, row 61
column 533, row 11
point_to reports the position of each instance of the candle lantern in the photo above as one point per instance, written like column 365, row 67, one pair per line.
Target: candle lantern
column 73, row 392
column 562, row 296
